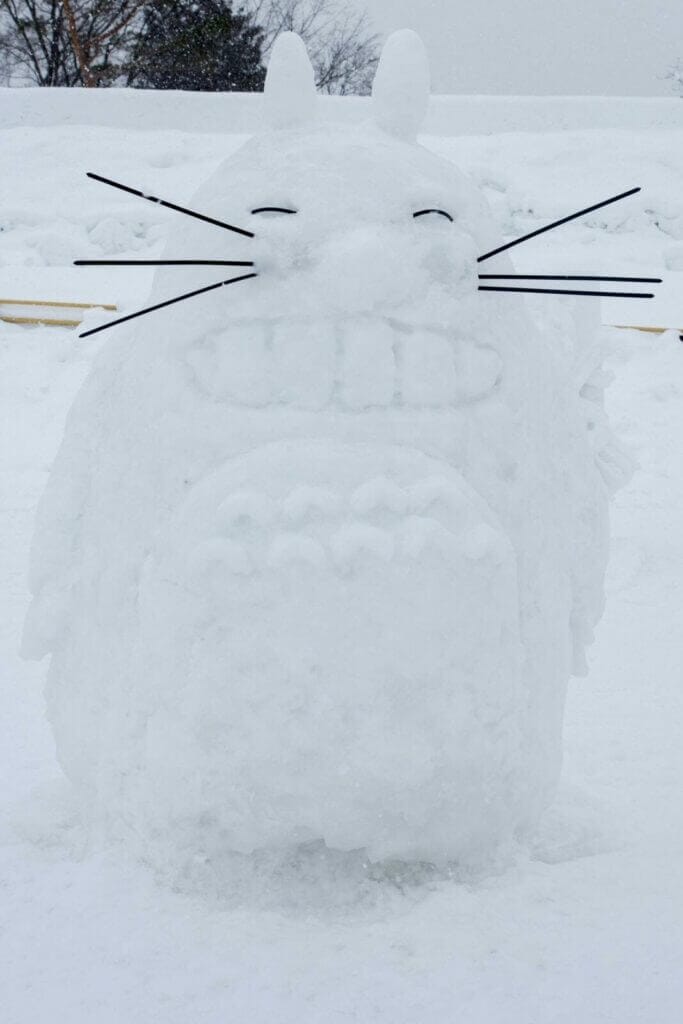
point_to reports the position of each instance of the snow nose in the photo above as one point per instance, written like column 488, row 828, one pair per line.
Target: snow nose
column 368, row 268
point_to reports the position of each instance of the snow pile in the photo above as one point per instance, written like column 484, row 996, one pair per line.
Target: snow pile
column 320, row 549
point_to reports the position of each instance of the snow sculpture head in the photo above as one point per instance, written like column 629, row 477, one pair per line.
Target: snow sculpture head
column 319, row 549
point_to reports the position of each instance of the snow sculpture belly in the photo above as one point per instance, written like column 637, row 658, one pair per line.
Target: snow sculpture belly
column 319, row 602
column 318, row 550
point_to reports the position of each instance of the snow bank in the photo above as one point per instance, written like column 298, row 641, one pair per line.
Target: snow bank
column 141, row 109
column 320, row 550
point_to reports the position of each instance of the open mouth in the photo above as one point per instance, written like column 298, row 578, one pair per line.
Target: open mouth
column 355, row 364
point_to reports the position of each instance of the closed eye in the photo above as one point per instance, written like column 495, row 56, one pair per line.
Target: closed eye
column 442, row 213
column 272, row 209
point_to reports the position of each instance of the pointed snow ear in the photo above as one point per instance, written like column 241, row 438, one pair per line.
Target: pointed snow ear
column 400, row 92
column 289, row 92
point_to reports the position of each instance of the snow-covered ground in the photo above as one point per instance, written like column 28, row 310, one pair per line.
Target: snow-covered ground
column 588, row 925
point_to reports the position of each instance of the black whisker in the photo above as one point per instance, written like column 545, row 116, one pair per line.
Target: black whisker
column 170, row 206
column 557, row 223
column 567, row 277
column 168, row 302
column 163, row 263
column 559, row 291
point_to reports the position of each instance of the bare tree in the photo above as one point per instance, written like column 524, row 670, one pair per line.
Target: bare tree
column 66, row 42
column 342, row 47
column 90, row 42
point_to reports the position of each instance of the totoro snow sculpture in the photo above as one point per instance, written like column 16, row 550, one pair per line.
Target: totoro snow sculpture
column 319, row 550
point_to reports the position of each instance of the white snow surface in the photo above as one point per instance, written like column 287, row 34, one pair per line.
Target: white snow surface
column 584, row 921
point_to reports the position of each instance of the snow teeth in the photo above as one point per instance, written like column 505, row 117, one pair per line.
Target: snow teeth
column 360, row 365
column 478, row 370
column 368, row 368
column 304, row 363
column 234, row 366
column 428, row 374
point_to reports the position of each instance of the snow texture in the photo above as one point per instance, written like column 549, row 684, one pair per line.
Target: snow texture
column 320, row 550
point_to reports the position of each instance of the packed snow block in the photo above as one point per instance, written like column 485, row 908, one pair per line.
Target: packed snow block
column 320, row 551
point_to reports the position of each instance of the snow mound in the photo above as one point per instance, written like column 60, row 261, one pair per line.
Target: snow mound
column 320, row 550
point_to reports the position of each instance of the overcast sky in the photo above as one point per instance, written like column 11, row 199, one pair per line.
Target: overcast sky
column 536, row 47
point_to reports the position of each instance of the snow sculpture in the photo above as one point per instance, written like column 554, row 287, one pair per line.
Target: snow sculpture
column 319, row 550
